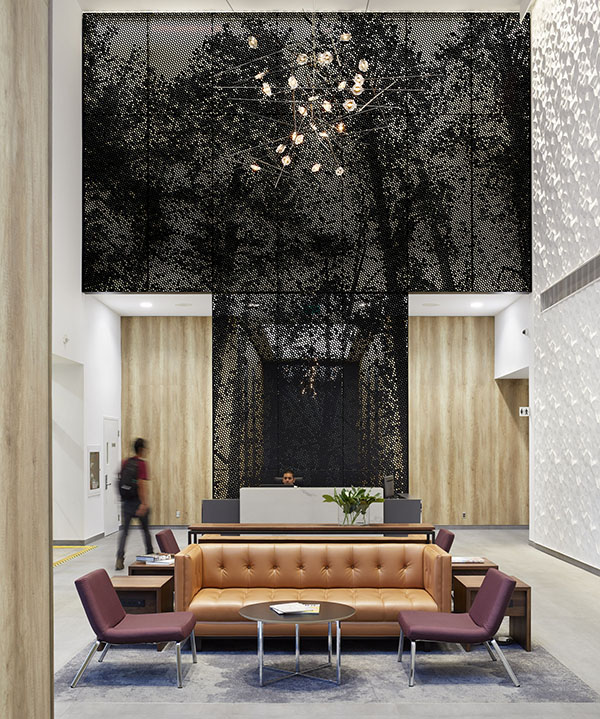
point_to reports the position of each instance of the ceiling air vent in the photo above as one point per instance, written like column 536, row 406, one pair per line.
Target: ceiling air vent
column 573, row 282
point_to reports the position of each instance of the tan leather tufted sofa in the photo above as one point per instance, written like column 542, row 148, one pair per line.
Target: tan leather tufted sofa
column 215, row 580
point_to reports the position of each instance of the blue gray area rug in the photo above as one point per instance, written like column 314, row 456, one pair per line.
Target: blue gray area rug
column 227, row 672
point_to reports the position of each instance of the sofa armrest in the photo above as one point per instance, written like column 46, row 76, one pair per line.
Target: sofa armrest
column 437, row 576
column 188, row 576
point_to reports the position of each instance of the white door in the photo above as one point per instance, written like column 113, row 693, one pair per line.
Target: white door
column 111, row 461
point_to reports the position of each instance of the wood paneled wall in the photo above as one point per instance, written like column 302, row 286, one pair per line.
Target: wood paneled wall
column 167, row 399
column 468, row 447
column 25, row 561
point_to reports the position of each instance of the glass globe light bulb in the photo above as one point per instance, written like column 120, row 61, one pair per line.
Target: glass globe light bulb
column 285, row 160
column 316, row 167
column 363, row 65
column 253, row 42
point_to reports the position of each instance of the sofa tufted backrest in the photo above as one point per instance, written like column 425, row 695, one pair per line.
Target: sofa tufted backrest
column 312, row 565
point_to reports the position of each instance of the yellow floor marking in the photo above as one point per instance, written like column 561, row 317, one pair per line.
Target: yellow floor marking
column 72, row 556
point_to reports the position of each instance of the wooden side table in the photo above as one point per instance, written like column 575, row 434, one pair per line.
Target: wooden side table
column 143, row 569
column 144, row 594
column 518, row 610
column 461, row 568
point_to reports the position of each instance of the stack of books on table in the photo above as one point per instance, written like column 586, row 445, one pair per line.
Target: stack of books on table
column 467, row 560
column 155, row 558
column 296, row 608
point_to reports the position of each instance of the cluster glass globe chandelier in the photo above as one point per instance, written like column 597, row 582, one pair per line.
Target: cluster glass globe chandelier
column 326, row 89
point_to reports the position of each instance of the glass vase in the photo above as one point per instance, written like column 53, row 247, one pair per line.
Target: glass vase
column 354, row 519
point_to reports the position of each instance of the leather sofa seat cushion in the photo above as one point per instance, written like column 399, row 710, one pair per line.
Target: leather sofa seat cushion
column 371, row 604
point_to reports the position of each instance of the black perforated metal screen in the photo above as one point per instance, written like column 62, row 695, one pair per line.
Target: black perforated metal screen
column 434, row 197
column 314, row 383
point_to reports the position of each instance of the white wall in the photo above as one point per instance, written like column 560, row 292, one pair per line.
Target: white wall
column 93, row 331
column 67, row 449
column 512, row 348
column 565, row 386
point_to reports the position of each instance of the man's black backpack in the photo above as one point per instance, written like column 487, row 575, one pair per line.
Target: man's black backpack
column 128, row 479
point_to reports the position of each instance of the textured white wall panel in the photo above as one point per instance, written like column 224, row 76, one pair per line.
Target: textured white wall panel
column 565, row 386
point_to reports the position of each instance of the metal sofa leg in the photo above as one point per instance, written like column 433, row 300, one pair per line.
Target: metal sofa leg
column 179, row 679
column 504, row 661
column 401, row 644
column 86, row 661
column 106, row 647
column 490, row 652
column 413, row 652
column 193, row 647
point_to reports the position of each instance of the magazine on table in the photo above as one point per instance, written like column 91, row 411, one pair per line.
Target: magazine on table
column 468, row 560
column 296, row 608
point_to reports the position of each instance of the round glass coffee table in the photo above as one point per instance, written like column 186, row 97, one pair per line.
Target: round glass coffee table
column 330, row 612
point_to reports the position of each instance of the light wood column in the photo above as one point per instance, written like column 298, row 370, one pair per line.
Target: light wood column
column 468, row 446
column 167, row 399
column 25, row 562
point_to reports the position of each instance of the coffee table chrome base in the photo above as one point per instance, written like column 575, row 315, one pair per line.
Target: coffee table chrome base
column 305, row 672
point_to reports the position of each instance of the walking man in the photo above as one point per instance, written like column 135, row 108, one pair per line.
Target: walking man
column 134, row 497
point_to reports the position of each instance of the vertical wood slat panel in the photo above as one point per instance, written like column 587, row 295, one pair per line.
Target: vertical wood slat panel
column 167, row 399
column 25, row 496
column 468, row 446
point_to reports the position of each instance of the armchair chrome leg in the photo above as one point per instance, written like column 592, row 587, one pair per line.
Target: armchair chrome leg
column 193, row 646
column 401, row 645
column 490, row 652
column 106, row 647
column 179, row 679
column 504, row 661
column 413, row 652
column 86, row 661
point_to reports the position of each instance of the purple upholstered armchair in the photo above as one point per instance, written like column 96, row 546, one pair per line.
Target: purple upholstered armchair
column 113, row 626
column 444, row 539
column 167, row 542
column 477, row 627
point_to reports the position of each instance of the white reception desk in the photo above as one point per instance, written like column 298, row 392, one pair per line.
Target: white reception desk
column 296, row 505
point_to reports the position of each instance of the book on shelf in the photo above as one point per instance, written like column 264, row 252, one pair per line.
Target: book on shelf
column 155, row 558
column 296, row 608
column 468, row 560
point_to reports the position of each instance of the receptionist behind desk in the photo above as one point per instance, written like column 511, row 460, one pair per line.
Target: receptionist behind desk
column 288, row 478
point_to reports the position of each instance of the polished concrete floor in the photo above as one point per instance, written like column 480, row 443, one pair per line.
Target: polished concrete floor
column 565, row 620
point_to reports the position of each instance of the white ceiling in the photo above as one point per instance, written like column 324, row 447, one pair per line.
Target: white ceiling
column 460, row 305
column 286, row 6
column 162, row 305
column 197, row 305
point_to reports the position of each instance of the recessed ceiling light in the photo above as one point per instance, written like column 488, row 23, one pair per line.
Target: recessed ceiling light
column 145, row 304
column 476, row 304
column 431, row 304
column 183, row 304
